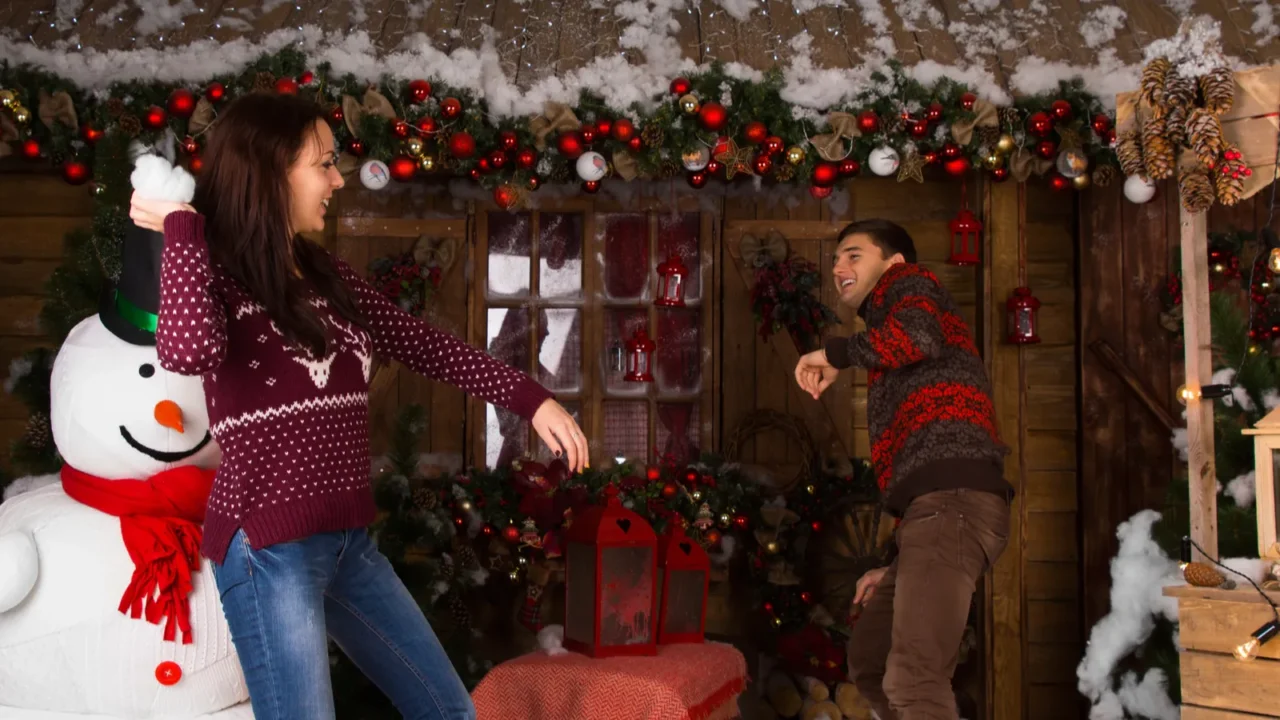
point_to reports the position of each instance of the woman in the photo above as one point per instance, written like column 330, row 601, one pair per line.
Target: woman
column 284, row 334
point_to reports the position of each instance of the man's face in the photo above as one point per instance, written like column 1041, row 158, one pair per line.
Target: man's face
column 857, row 267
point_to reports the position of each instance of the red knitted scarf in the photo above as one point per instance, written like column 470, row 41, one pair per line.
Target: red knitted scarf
column 160, row 520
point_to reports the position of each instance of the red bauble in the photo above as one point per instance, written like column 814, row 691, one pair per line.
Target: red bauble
column 819, row 192
column 817, row 527
column 956, row 166
column 355, row 146
column 155, row 117
column 182, row 102
column 190, row 146
column 483, row 164
column 1061, row 110
column 1040, row 124
column 403, row 167
column 462, row 145
column 772, row 145
column 1000, row 174
column 1110, row 139
column 487, row 530
column 669, row 491
column 400, row 128
column 427, row 125
column 1047, row 149
column 526, row 158
column 287, row 86
column 967, row 100
column 604, row 126
column 336, row 115
column 505, row 196
column 713, row 116
column 511, row 533
column 195, row 164
column 624, row 130
column 90, row 133
column 450, row 108
column 918, row 128
column 1058, row 182
column 950, row 151
column 534, row 182
column 714, row 167
column 1101, row 124
column 680, row 86
column 806, row 597
column 307, row 77
column 587, row 133
column 215, row 92
column 825, row 174
column 570, row 145
column 934, row 113
column 590, row 186
column 762, row 164
column 930, row 157
column 635, row 143
column 418, row 91
column 849, row 167
column 75, row 172
column 507, row 140
column 868, row 121
column 697, row 179
column 755, row 132
column 474, row 173
column 30, row 149
column 497, row 159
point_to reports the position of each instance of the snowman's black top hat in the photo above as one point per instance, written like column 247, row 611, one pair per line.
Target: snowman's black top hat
column 129, row 306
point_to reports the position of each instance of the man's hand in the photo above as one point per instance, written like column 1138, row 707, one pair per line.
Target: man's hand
column 814, row 374
column 867, row 586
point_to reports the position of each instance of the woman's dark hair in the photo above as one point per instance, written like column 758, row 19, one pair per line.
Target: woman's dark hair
column 244, row 196
column 890, row 237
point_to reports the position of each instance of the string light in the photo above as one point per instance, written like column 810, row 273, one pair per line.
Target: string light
column 1248, row 649
column 1185, row 554
column 1212, row 392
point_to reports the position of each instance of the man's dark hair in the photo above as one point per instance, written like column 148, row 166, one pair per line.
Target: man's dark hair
column 890, row 237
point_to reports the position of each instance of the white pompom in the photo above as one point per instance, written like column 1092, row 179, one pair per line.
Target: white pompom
column 154, row 178
column 551, row 639
column 1139, row 189
column 19, row 567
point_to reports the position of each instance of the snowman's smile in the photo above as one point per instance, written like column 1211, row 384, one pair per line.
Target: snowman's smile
column 162, row 456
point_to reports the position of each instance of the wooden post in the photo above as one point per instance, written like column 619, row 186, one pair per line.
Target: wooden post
column 1202, row 475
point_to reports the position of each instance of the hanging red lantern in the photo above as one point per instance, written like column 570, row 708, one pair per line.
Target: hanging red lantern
column 671, row 280
column 966, row 231
column 611, row 576
column 686, row 579
column 1022, row 309
column 640, row 357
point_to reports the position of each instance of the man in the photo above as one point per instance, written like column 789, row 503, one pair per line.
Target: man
column 938, row 461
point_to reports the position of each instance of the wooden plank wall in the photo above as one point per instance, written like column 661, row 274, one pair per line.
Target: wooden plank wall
column 36, row 213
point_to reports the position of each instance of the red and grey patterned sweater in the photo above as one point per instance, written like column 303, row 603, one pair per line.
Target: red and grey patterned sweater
column 929, row 407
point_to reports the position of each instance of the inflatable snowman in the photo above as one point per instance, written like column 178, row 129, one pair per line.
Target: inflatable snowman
column 107, row 609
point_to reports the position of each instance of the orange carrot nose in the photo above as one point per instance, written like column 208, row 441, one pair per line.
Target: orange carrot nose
column 169, row 414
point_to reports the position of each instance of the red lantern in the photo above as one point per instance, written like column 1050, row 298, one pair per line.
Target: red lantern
column 686, row 578
column 671, row 280
column 640, row 357
column 965, row 232
column 611, row 569
column 1022, row 308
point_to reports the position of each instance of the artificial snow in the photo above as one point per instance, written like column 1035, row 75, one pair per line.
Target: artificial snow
column 1241, row 489
column 19, row 367
column 1264, row 21
column 1101, row 24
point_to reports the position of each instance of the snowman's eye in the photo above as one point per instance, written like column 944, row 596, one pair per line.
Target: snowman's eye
column 146, row 370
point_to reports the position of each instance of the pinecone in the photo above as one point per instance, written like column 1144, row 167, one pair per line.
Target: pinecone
column 668, row 168
column 1202, row 575
column 1179, row 91
column 130, row 125
column 986, row 135
column 1205, row 133
column 652, row 135
column 265, row 82
column 115, row 107
column 1229, row 185
column 425, row 499
column 38, row 436
column 1129, row 151
column 466, row 557
column 448, row 570
column 1103, row 175
column 784, row 172
column 1196, row 190
column 1157, row 151
column 457, row 608
column 1219, row 90
column 1154, row 78
column 1010, row 117
column 1175, row 126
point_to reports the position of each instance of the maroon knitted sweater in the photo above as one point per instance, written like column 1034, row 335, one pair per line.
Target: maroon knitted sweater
column 293, row 427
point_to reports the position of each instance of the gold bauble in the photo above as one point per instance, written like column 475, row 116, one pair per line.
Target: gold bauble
column 427, row 163
column 414, row 146
column 777, row 622
column 21, row 115
column 992, row 161
column 515, row 575
column 1080, row 181
column 689, row 104
column 771, row 547
column 6, row 98
column 810, row 489
column 795, row 155
column 1273, row 261
column 522, row 560
column 696, row 495
column 1005, row 144
column 725, row 519
column 464, row 506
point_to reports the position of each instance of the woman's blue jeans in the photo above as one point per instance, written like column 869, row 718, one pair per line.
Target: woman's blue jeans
column 285, row 601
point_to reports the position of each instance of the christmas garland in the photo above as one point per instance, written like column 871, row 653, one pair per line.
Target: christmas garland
column 404, row 281
column 783, row 296
column 711, row 125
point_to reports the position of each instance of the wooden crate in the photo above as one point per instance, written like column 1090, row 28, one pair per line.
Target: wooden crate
column 1216, row 686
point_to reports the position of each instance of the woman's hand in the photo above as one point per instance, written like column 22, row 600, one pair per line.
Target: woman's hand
column 558, row 430
column 150, row 214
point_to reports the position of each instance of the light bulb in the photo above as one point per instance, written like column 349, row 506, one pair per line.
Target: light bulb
column 1248, row 649
column 1273, row 261
column 1186, row 394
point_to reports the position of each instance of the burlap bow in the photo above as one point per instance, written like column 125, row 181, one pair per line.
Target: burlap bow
column 374, row 103
column 984, row 115
column 760, row 251
column 435, row 252
column 831, row 146
column 1025, row 163
column 624, row 164
column 57, row 108
column 8, row 134
column 555, row 118
column 202, row 118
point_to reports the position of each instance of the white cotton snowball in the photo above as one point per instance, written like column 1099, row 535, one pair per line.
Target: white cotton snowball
column 19, row 567
column 551, row 639
column 154, row 178
column 1139, row 189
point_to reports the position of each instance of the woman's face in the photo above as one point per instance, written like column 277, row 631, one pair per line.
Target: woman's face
column 313, row 178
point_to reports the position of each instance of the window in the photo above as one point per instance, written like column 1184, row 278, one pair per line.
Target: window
column 559, row 293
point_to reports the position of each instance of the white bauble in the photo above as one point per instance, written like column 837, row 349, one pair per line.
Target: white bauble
column 374, row 175
column 883, row 161
column 592, row 166
column 1139, row 189
column 104, row 396
column 696, row 159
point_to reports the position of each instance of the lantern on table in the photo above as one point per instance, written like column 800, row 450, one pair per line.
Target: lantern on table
column 1022, row 307
column 611, row 572
column 672, row 275
column 686, row 578
column 640, row 357
column 965, row 232
column 1266, row 458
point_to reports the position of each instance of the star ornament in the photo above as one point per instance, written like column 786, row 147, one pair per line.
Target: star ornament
column 912, row 168
column 735, row 160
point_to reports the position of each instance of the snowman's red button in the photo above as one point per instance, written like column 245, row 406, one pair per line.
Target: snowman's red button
column 168, row 673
